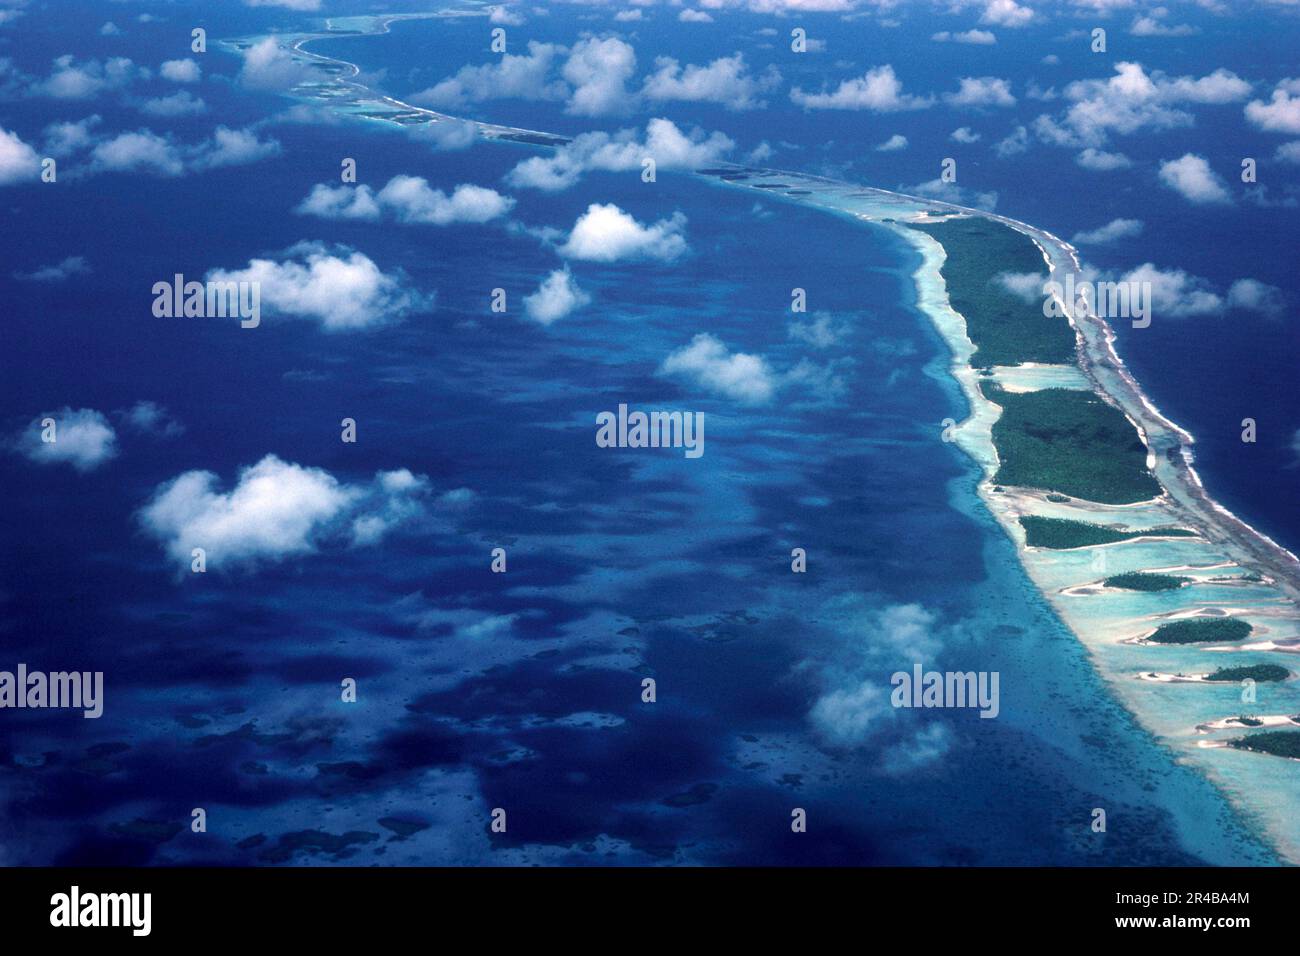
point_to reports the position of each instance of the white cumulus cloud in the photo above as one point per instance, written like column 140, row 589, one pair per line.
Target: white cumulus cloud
column 83, row 438
column 409, row 199
column 1191, row 176
column 181, row 71
column 707, row 363
column 18, row 161
column 274, row 511
column 599, row 70
column 556, row 297
column 1281, row 113
column 878, row 90
column 1113, row 230
column 525, row 76
column 1006, row 13
column 268, row 66
column 727, row 81
column 341, row 290
column 977, row 37
column 625, row 150
column 1100, row 161
column 605, row 233
column 981, row 91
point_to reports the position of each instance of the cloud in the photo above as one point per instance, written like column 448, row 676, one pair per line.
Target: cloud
column 1027, row 286
column 878, row 90
column 1006, row 13
column 707, row 363
column 893, row 144
column 1016, row 142
column 821, row 332
column 66, row 138
column 274, row 511
column 964, row 134
column 410, row 200
column 556, row 297
column 1134, row 100
column 341, row 291
column 1252, row 295
column 1100, row 161
column 851, row 715
column 268, row 66
column 593, row 78
column 981, row 91
column 598, row 71
column 916, row 751
column 1288, row 152
column 1192, row 176
column 1176, row 293
column 340, row 202
column 180, row 103
column 1281, row 114
column 18, row 161
column 181, row 71
column 146, row 151
column 978, row 37
column 446, row 134
column 664, row 142
column 514, row 76
column 1112, row 231
column 958, row 195
column 726, row 80
column 605, row 233
column 304, row 5
column 83, row 438
column 71, row 79
column 694, row 16
column 59, row 272
column 232, row 147
column 139, row 151
column 854, row 706
column 1149, row 26
column 505, row 16
column 150, row 418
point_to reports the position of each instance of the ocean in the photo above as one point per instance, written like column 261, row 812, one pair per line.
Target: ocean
column 523, row 691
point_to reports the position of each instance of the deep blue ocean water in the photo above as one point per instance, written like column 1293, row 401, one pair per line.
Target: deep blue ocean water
column 522, row 690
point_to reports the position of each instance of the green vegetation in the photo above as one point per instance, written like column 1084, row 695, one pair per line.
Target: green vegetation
column 1280, row 743
column 1137, row 581
column 1005, row 328
column 1260, row 673
column 1070, row 442
column 1060, row 533
column 1249, row 721
column 1200, row 630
